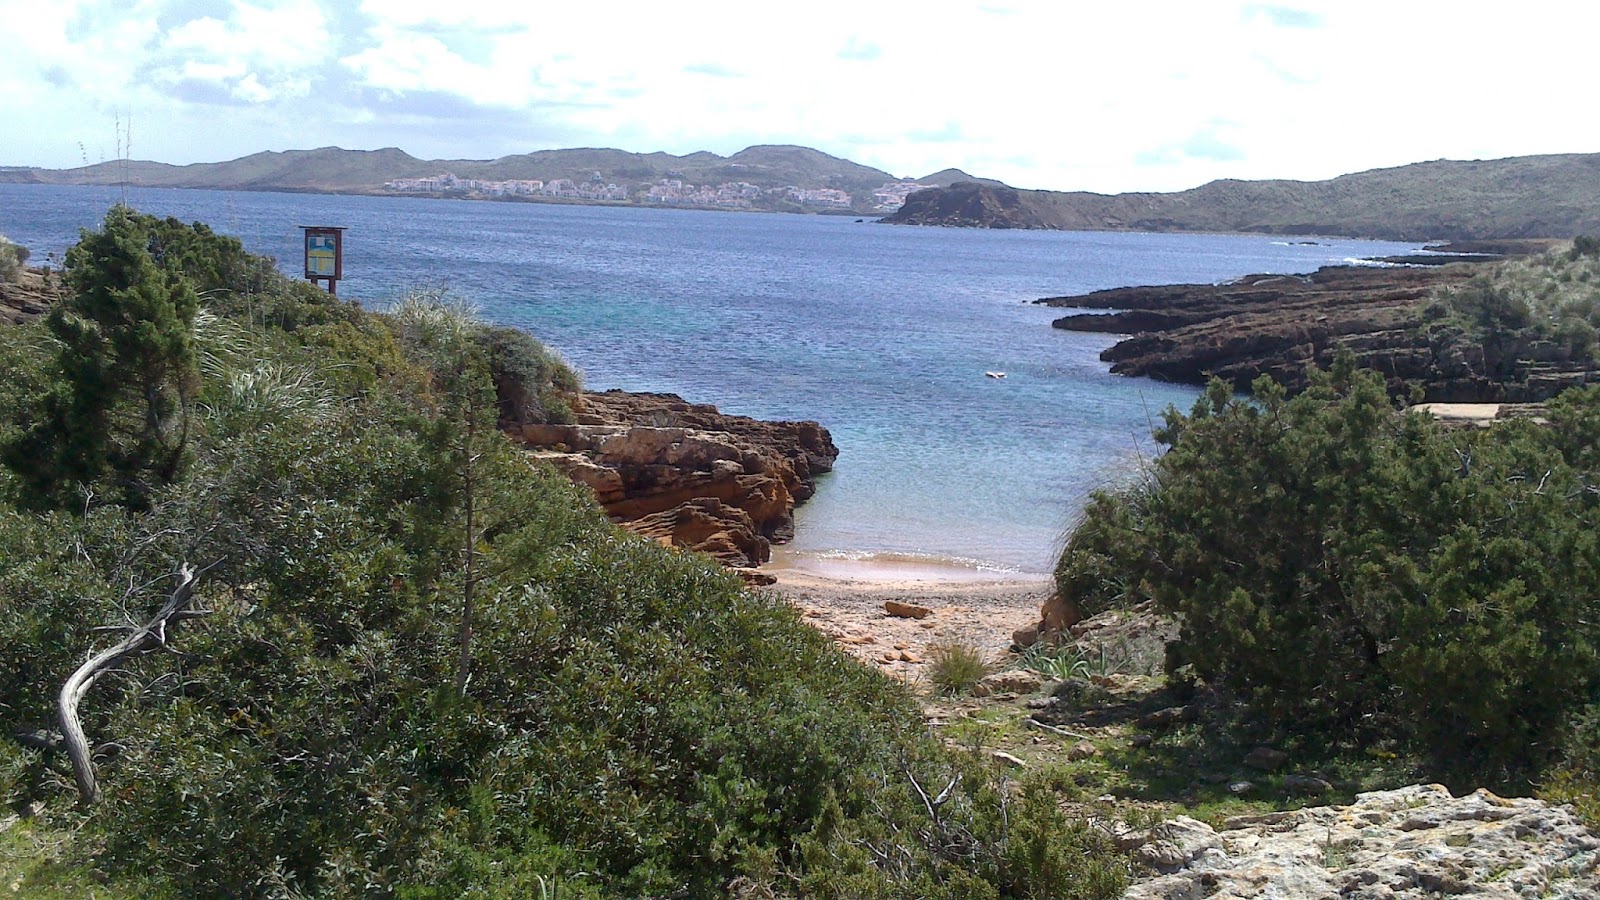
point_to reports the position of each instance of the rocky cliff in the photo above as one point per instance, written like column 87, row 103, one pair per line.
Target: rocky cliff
column 1277, row 325
column 687, row 475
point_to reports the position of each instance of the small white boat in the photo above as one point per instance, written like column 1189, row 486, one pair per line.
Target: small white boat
column 995, row 374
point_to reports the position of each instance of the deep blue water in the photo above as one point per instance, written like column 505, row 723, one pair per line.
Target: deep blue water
column 881, row 333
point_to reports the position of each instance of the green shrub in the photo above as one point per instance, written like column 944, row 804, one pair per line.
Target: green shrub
column 531, row 381
column 1510, row 307
column 634, row 724
column 1354, row 573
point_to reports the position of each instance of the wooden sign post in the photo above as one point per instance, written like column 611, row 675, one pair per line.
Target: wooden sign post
column 324, row 255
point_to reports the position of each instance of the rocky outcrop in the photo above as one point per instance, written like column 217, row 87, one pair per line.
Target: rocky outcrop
column 1520, row 197
column 1278, row 325
column 969, row 204
column 1414, row 842
column 30, row 296
column 687, row 475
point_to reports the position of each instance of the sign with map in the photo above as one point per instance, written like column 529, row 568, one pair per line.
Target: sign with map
column 324, row 254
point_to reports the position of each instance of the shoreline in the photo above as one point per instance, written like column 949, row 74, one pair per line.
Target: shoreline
column 844, row 599
column 889, row 571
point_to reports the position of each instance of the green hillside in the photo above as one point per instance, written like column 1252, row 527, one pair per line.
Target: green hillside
column 1527, row 196
column 1530, row 196
column 334, row 170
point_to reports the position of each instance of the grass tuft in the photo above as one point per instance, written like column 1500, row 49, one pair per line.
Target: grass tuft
column 956, row 668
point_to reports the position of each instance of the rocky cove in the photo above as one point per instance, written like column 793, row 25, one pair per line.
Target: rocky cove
column 688, row 476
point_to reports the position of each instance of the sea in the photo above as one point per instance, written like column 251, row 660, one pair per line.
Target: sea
column 884, row 334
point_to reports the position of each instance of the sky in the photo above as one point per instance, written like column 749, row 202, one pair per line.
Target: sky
column 1063, row 95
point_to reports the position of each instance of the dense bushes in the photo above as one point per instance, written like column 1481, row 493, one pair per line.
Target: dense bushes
column 1356, row 573
column 1553, row 298
column 634, row 723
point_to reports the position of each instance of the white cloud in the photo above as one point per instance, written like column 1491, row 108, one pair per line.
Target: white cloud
column 1163, row 95
column 258, row 54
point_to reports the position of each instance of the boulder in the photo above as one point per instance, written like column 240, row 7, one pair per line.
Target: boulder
column 30, row 296
column 1306, row 785
column 1057, row 615
column 1010, row 681
column 906, row 610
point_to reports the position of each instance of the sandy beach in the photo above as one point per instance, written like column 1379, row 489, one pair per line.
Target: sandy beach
column 845, row 600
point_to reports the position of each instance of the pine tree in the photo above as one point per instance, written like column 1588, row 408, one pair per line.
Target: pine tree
column 127, row 372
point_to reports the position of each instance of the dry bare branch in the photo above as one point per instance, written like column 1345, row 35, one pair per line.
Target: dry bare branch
column 152, row 636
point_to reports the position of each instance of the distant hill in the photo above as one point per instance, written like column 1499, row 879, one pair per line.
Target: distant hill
column 947, row 177
column 334, row 170
column 326, row 169
column 1526, row 196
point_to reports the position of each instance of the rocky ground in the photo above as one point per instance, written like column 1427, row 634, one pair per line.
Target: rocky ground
column 1414, row 842
column 1201, row 813
column 855, row 612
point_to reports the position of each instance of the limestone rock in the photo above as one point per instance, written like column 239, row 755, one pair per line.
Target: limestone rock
column 1407, row 844
column 1007, row 758
column 1013, row 681
column 1171, row 845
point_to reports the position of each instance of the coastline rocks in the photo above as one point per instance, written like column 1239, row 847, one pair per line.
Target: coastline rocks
column 1414, row 842
column 707, row 525
column 1277, row 325
column 685, row 474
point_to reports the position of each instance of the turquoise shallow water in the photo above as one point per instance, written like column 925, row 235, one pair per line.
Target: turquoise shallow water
column 881, row 333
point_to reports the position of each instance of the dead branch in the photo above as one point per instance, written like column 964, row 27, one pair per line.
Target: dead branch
column 152, row 636
column 1053, row 729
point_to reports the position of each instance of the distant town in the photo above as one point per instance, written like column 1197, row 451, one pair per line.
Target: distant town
column 663, row 192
